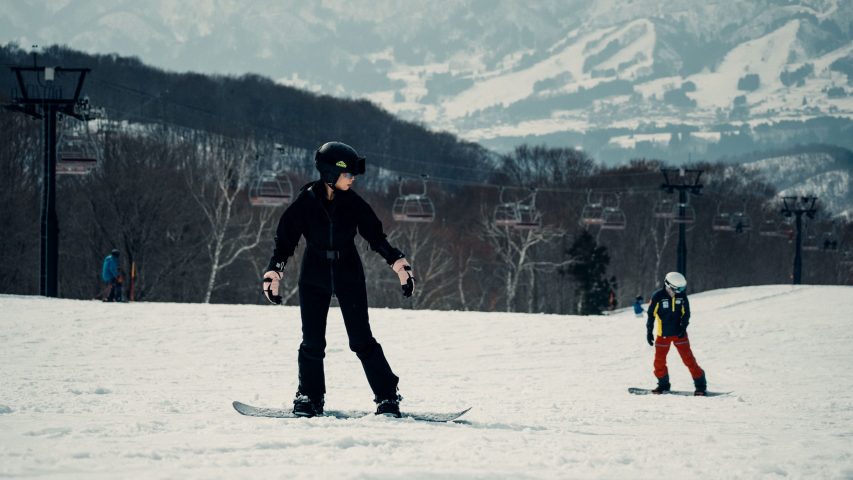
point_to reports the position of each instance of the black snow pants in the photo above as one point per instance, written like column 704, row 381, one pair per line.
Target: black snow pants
column 314, row 304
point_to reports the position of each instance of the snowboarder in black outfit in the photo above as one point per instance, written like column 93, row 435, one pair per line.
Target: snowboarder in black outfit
column 328, row 214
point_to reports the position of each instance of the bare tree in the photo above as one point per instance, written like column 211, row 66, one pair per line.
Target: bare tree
column 20, row 157
column 514, row 250
column 660, row 233
column 218, row 184
column 433, row 264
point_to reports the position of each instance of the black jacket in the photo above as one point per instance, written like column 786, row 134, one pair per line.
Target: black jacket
column 668, row 316
column 329, row 227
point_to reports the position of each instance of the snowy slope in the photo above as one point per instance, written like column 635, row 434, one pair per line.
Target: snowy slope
column 638, row 38
column 765, row 56
column 93, row 390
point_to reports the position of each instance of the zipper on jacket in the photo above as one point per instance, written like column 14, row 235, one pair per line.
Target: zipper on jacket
column 331, row 262
column 331, row 237
column 331, row 247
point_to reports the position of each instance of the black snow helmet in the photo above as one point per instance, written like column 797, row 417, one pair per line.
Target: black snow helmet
column 335, row 158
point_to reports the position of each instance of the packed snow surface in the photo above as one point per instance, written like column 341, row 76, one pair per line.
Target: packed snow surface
column 96, row 390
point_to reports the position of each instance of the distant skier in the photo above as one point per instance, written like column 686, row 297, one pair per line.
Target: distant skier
column 638, row 306
column 669, row 315
column 328, row 214
column 112, row 277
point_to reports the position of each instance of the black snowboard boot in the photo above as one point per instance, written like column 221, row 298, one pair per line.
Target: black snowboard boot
column 304, row 406
column 663, row 385
column 389, row 407
column 701, row 386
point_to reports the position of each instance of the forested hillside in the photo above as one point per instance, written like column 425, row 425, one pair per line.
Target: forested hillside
column 252, row 105
column 179, row 155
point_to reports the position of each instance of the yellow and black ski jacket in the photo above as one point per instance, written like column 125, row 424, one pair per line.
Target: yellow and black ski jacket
column 668, row 315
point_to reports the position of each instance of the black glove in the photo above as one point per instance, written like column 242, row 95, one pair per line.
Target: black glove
column 650, row 339
column 682, row 331
column 270, row 286
column 404, row 272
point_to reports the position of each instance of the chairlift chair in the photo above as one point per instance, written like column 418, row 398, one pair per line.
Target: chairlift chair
column 664, row 208
column 769, row 228
column 413, row 207
column 520, row 215
column 722, row 222
column 741, row 222
column 528, row 218
column 76, row 153
column 506, row 214
column 829, row 244
column 613, row 218
column 688, row 215
column 830, row 239
column 593, row 212
column 786, row 229
column 810, row 243
column 592, row 215
column 270, row 190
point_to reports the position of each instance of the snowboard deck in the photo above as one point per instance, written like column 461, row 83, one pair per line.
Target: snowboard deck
column 252, row 411
column 648, row 391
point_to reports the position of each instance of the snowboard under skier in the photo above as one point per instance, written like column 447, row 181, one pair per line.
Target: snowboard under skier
column 328, row 213
column 668, row 318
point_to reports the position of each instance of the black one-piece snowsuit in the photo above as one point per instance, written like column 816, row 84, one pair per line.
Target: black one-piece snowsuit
column 332, row 266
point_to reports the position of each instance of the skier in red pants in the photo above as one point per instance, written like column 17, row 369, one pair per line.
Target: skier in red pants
column 669, row 315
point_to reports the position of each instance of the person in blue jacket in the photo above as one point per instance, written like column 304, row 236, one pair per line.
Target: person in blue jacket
column 638, row 306
column 111, row 276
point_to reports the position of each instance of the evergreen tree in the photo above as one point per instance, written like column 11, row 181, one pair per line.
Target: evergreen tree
column 588, row 268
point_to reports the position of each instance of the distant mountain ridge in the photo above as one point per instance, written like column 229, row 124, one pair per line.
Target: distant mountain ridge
column 502, row 72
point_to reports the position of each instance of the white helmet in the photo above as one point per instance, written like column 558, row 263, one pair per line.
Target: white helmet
column 675, row 281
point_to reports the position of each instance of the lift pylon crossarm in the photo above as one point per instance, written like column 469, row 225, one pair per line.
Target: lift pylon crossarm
column 49, row 96
column 689, row 178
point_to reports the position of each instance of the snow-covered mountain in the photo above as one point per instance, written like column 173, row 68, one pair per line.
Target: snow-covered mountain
column 825, row 174
column 494, row 70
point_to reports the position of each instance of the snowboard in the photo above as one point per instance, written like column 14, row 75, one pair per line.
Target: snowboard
column 251, row 411
column 648, row 391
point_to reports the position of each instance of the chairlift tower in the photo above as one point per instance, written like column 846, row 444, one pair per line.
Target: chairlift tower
column 43, row 92
column 796, row 207
column 685, row 181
